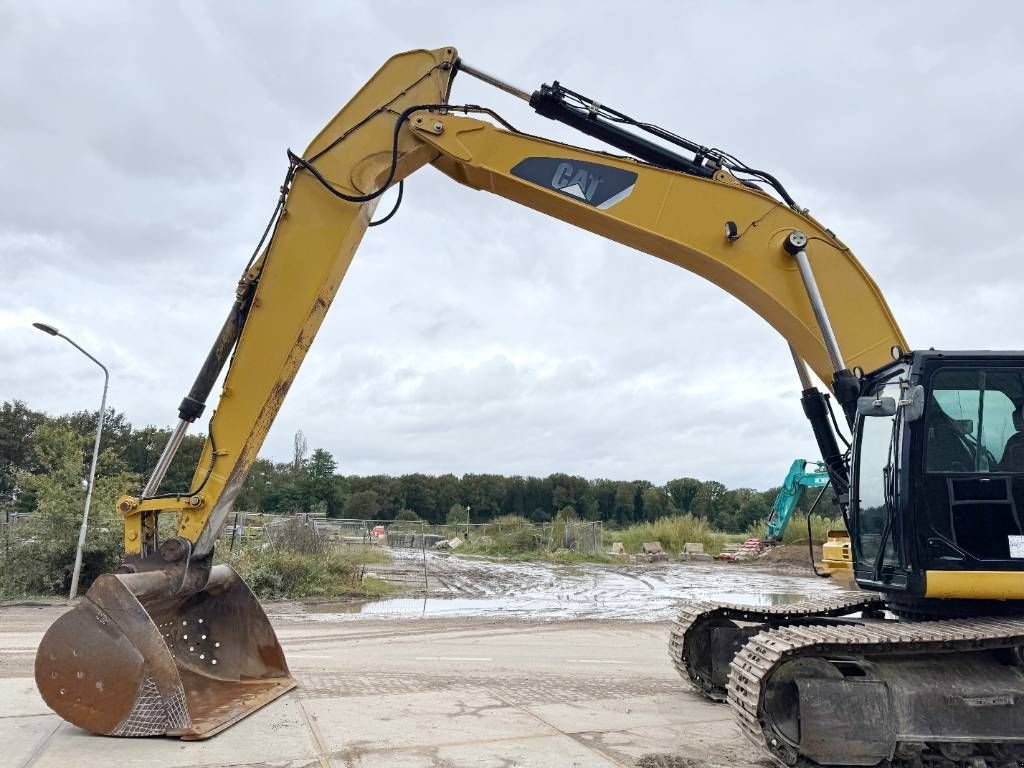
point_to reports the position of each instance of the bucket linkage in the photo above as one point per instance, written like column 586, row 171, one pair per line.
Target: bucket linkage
column 167, row 651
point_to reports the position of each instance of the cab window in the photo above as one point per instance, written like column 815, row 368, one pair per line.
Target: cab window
column 875, row 467
column 971, row 420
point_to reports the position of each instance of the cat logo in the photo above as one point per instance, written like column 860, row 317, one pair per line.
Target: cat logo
column 600, row 186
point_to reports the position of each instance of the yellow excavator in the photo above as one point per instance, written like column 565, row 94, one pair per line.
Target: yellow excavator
column 924, row 667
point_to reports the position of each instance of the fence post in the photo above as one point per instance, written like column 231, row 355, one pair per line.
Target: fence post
column 423, row 554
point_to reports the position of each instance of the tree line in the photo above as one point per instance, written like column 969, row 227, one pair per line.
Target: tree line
column 310, row 481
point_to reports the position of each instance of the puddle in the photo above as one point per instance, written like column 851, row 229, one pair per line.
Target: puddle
column 543, row 591
column 534, row 608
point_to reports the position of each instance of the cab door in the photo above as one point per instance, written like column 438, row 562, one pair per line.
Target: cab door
column 875, row 498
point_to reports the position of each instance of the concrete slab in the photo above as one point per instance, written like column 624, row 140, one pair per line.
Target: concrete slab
column 443, row 694
column 626, row 713
column 18, row 696
column 536, row 752
column 20, row 737
column 275, row 734
column 715, row 744
column 407, row 720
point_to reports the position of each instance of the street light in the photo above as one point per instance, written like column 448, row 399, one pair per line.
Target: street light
column 95, row 455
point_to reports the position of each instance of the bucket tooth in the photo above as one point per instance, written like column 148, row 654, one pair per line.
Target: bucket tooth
column 135, row 658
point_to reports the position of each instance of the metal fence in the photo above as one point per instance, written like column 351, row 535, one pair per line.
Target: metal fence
column 9, row 519
column 578, row 536
column 415, row 548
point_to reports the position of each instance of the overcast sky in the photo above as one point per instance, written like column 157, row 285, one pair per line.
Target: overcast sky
column 142, row 144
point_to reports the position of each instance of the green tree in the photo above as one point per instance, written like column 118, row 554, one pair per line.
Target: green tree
column 515, row 497
column 319, row 486
column 42, row 563
column 567, row 513
column 418, row 495
column 445, row 493
column 17, row 425
column 540, row 515
column 604, row 493
column 484, row 494
column 388, row 490
column 457, row 515
column 625, row 503
column 537, row 495
column 362, row 505
column 708, row 502
column 684, row 492
column 657, row 504
column 258, row 482
column 340, row 491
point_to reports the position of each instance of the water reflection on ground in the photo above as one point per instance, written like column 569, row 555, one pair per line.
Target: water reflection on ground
column 470, row 587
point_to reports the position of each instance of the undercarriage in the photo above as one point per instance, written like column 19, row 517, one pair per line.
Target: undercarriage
column 835, row 682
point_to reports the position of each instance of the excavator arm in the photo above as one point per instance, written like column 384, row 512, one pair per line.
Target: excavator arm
column 788, row 498
column 714, row 226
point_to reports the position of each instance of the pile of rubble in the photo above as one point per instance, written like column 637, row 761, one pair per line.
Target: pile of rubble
column 453, row 543
column 748, row 550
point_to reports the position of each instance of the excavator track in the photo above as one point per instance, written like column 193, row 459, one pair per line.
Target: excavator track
column 688, row 652
column 999, row 708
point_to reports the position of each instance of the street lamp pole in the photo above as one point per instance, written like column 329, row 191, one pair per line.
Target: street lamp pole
column 95, row 455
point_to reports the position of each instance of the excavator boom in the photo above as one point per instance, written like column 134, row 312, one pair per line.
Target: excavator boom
column 332, row 190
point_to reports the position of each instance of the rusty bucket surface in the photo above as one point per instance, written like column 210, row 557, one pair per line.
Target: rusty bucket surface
column 135, row 659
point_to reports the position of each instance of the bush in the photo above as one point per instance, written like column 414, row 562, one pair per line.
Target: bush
column 796, row 531
column 286, row 574
column 673, row 533
column 506, row 536
column 519, row 540
column 39, row 555
column 457, row 515
column 572, row 556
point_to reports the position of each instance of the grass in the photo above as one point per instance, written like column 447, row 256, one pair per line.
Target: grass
column 572, row 556
column 673, row 533
column 332, row 572
column 375, row 587
column 796, row 531
column 515, row 538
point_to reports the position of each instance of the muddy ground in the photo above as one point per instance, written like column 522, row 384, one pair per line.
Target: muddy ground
column 438, row 585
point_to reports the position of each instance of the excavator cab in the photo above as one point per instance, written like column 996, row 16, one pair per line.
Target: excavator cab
column 936, row 500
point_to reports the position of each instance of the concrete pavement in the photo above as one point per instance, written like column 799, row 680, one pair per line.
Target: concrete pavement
column 415, row 693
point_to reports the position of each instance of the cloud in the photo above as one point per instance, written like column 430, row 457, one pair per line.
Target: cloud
column 143, row 146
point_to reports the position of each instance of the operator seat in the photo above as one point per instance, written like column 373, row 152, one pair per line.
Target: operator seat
column 1013, row 453
column 946, row 449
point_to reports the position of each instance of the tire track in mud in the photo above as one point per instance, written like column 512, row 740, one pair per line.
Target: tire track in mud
column 467, row 586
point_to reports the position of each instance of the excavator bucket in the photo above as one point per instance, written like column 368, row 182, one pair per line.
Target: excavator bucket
column 135, row 658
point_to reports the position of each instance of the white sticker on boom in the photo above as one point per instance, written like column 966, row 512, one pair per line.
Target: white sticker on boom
column 1016, row 546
